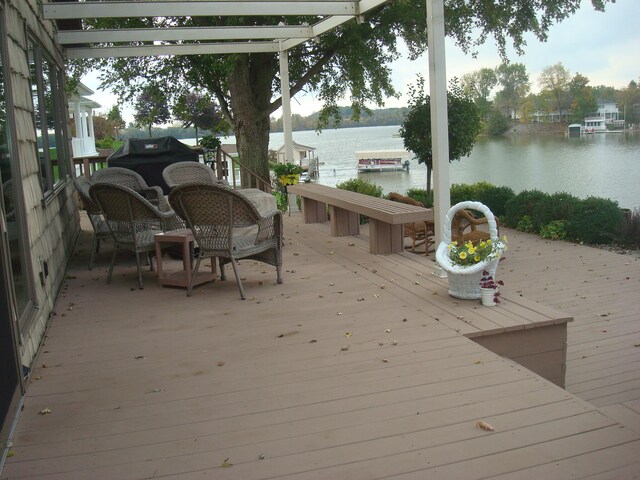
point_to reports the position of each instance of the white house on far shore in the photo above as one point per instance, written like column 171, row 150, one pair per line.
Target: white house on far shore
column 81, row 108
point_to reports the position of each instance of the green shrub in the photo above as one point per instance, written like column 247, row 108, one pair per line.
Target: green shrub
column 595, row 221
column 361, row 186
column 630, row 233
column 496, row 198
column 525, row 224
column 422, row 196
column 462, row 192
column 105, row 143
column 555, row 230
column 523, row 204
column 558, row 206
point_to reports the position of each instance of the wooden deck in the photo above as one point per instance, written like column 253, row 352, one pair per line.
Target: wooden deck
column 357, row 367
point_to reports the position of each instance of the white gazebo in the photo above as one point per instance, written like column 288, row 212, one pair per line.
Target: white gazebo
column 171, row 40
column 81, row 108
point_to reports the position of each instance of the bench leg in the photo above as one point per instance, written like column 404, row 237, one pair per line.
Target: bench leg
column 313, row 211
column 385, row 238
column 344, row 222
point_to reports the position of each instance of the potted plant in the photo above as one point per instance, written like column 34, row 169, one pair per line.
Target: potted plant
column 287, row 173
column 489, row 292
column 465, row 262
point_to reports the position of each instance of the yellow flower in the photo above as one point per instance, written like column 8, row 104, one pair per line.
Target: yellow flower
column 462, row 255
column 472, row 250
column 476, row 258
column 489, row 241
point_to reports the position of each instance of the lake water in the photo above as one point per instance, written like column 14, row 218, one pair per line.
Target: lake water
column 601, row 165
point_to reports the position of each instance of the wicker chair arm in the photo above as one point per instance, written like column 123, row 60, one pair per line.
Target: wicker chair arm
column 269, row 226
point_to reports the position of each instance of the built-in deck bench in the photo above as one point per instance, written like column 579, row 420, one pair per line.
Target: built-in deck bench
column 386, row 218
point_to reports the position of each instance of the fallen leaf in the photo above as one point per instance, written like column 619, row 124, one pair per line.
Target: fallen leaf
column 288, row 334
column 384, row 360
column 487, row 427
column 347, row 334
column 388, row 330
column 226, row 463
column 361, row 299
column 313, row 341
column 221, row 363
column 44, row 411
column 10, row 453
column 261, row 456
column 345, row 348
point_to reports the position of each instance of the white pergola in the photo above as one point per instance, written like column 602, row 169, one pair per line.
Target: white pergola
column 136, row 42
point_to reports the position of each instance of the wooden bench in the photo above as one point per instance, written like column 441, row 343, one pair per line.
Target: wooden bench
column 386, row 218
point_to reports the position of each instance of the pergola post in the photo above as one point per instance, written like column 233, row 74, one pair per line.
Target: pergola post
column 286, row 105
column 439, row 118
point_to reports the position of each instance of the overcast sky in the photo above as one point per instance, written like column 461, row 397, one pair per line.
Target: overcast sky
column 604, row 47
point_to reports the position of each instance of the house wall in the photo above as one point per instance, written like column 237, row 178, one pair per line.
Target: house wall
column 51, row 225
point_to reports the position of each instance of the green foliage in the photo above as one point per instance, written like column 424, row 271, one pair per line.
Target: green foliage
column 361, row 186
column 106, row 143
column 210, row 142
column 151, row 107
column 282, row 200
column 484, row 192
column 495, row 198
column 464, row 124
column 498, row 123
column 525, row 224
column 422, row 196
column 280, row 169
column 558, row 206
column 595, row 221
column 630, row 234
column 196, row 110
column 523, row 204
column 555, row 230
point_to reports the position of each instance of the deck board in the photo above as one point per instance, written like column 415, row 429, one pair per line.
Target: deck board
column 136, row 390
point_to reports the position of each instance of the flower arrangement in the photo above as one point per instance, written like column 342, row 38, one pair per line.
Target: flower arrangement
column 468, row 253
column 488, row 282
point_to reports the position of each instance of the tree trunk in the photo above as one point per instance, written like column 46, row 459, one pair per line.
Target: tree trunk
column 250, row 88
column 429, row 169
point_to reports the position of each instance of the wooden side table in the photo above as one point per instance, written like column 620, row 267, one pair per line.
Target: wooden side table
column 182, row 278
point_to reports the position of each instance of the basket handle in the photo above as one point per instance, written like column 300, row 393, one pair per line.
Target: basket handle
column 480, row 207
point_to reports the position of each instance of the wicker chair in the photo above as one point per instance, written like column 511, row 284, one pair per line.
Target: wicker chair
column 221, row 220
column 464, row 227
column 132, row 220
column 133, row 180
column 100, row 228
column 189, row 172
column 419, row 232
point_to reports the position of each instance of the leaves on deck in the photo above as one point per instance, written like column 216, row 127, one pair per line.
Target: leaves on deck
column 45, row 411
column 487, row 427
column 226, row 463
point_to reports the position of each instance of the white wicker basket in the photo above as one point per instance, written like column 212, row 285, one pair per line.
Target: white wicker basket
column 464, row 281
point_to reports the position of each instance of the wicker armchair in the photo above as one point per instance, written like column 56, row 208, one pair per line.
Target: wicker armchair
column 100, row 228
column 133, row 180
column 220, row 219
column 189, row 172
column 464, row 227
column 419, row 232
column 132, row 220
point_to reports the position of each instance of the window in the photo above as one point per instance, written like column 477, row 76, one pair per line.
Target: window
column 9, row 202
column 48, row 111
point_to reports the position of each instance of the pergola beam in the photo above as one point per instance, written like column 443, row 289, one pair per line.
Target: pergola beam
column 185, row 49
column 72, row 10
column 74, row 37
